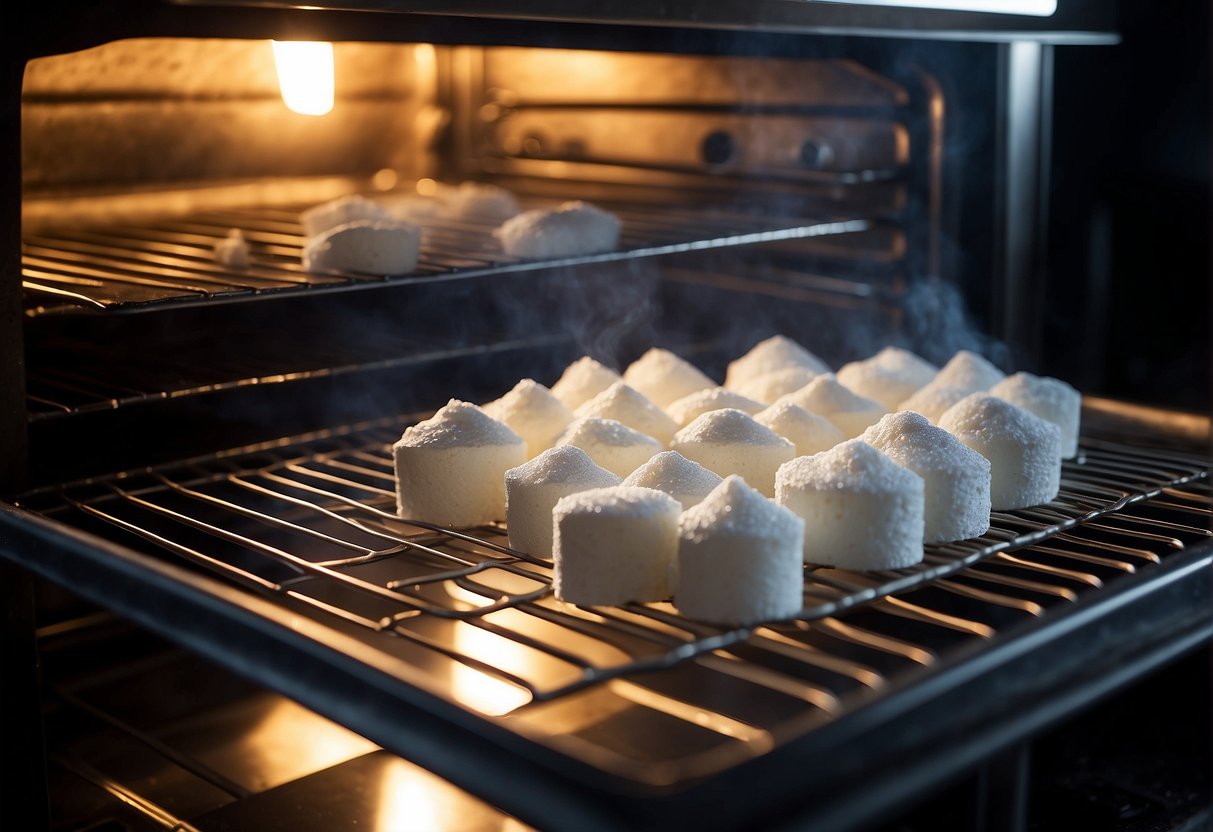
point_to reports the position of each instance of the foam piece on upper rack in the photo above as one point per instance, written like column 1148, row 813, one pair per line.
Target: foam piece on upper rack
column 969, row 371
column 846, row 410
column 582, row 380
column 772, row 386
column 364, row 246
column 775, row 353
column 450, row 468
column 739, row 558
column 889, row 377
column 572, row 230
column 933, row 400
column 616, row 545
column 663, row 377
column 1049, row 398
column 533, row 413
column 532, row 491
column 1024, row 450
column 687, row 408
column 233, row 250
column 624, row 404
column 809, row 432
column 731, row 442
column 956, row 479
column 861, row 510
column 479, row 201
column 611, row 444
column 685, row 480
column 342, row 211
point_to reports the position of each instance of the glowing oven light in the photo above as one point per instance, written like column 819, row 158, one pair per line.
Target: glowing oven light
column 305, row 75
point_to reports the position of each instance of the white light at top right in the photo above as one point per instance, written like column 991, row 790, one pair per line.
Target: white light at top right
column 1036, row 8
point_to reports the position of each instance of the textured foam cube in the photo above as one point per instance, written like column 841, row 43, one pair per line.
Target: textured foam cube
column 612, row 445
column 450, row 469
column 341, row 211
column 366, row 246
column 581, row 381
column 956, row 479
column 772, row 386
column 731, row 442
column 889, row 377
column 687, row 408
column 933, row 400
column 739, row 558
column 479, row 201
column 233, row 250
column 625, row 404
column 846, row 410
column 532, row 412
column 775, row 353
column 532, row 491
column 1049, row 398
column 861, row 509
column 573, row 229
column 809, row 432
column 969, row 371
column 663, row 378
column 685, row 480
column 616, row 545
column 1024, row 450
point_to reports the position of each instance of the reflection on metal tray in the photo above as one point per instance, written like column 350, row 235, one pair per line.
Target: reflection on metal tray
column 132, row 267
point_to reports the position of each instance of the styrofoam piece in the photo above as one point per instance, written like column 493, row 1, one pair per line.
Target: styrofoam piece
column 687, row 408
column 533, row 413
column 385, row 247
column 775, row 353
column 611, row 444
column 969, row 371
column 933, row 400
column 624, row 404
column 810, row 433
column 572, row 230
column 847, row 410
column 341, row 211
column 685, row 480
column 1049, row 398
column 770, row 387
column 662, row 377
column 582, row 380
column 731, row 442
column 533, row 489
column 889, row 377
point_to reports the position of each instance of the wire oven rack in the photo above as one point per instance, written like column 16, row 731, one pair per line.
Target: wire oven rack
column 131, row 267
column 312, row 527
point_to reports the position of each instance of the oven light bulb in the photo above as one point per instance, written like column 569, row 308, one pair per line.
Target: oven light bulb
column 305, row 75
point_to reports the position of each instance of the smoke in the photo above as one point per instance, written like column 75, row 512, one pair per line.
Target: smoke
column 937, row 324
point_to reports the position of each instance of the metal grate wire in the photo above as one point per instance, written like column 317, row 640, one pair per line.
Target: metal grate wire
column 316, row 529
column 125, row 267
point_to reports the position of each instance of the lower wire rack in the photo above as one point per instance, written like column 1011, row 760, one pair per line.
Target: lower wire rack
column 639, row 688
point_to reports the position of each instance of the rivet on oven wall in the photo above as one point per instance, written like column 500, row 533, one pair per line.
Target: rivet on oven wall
column 815, row 154
column 718, row 148
column 532, row 145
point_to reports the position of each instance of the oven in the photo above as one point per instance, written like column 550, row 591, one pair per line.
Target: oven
column 214, row 619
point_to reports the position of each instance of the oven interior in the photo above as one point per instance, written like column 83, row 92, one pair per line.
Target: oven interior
column 843, row 191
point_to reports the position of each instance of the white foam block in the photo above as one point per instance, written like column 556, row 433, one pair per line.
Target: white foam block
column 861, row 509
column 342, row 211
column 889, row 377
column 612, row 445
column 1049, row 398
column 809, row 432
column 625, row 404
column 956, row 479
column 369, row 247
column 846, row 410
column 739, row 558
column 532, row 491
column 663, row 378
column 573, row 229
column 685, row 480
column 933, row 400
column 532, row 412
column 969, row 371
column 582, row 380
column 687, row 408
column 770, row 387
column 479, row 201
column 450, row 469
column 616, row 545
column 731, row 442
column 1024, row 450
column 233, row 250
column 775, row 353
